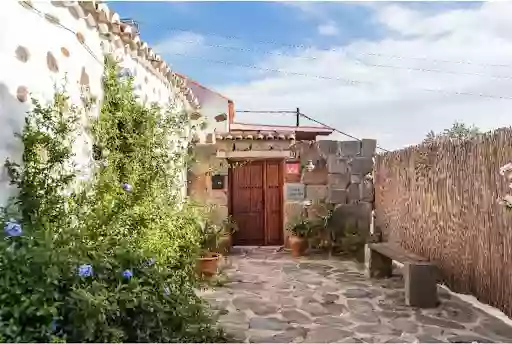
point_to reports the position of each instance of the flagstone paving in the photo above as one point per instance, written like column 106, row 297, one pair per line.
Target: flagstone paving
column 272, row 298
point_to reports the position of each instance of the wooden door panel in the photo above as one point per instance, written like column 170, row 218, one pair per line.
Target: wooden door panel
column 256, row 202
column 273, row 203
column 247, row 203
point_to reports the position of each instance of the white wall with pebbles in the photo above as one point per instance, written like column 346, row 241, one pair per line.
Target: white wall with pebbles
column 43, row 46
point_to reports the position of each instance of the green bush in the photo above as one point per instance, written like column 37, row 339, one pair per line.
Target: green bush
column 110, row 259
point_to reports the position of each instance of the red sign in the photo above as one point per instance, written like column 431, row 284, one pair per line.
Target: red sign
column 293, row 168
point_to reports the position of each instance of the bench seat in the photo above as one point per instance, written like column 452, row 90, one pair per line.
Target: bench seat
column 420, row 275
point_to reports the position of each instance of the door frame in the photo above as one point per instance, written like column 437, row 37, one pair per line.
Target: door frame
column 281, row 193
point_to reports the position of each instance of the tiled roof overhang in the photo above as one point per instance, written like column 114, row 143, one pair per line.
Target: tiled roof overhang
column 289, row 136
column 108, row 24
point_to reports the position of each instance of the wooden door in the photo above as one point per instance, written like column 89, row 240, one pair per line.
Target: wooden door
column 247, row 205
column 273, row 202
column 256, row 203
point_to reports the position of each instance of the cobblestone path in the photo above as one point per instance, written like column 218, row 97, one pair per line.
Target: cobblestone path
column 271, row 298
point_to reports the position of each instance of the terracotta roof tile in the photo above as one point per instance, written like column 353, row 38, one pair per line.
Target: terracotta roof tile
column 256, row 136
column 108, row 23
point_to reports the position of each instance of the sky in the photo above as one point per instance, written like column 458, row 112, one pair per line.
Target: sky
column 391, row 71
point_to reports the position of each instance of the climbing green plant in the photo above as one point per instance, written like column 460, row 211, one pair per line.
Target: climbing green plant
column 110, row 259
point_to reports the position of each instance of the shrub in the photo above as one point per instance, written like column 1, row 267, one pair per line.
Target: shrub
column 110, row 259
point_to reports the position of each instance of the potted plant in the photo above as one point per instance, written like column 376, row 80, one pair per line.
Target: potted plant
column 208, row 261
column 225, row 239
column 299, row 233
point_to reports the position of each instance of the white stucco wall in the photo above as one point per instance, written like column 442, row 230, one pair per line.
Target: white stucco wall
column 36, row 54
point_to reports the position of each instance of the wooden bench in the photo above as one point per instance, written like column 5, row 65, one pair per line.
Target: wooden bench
column 420, row 275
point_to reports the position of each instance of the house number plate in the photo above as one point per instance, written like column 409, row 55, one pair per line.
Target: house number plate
column 294, row 192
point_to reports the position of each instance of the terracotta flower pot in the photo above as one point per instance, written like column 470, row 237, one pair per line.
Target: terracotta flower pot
column 224, row 244
column 297, row 245
column 208, row 264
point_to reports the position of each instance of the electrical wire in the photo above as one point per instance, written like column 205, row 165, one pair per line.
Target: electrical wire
column 367, row 64
column 305, row 47
column 310, row 119
column 43, row 15
column 344, row 80
column 347, row 81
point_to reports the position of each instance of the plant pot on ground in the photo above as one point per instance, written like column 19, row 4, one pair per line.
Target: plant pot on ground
column 299, row 234
column 208, row 261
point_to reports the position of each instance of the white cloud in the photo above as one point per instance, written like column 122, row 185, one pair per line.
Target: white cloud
column 180, row 43
column 328, row 29
column 391, row 106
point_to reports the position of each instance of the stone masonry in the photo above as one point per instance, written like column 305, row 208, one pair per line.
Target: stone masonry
column 272, row 298
column 341, row 178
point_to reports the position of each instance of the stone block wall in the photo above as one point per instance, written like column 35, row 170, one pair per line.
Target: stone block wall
column 341, row 178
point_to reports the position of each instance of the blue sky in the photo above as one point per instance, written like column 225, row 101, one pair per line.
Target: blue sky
column 262, row 27
column 373, row 43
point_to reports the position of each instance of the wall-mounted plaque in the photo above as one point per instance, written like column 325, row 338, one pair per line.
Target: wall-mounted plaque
column 218, row 182
column 293, row 167
column 294, row 192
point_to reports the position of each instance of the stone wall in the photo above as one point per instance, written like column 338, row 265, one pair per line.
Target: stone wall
column 207, row 164
column 45, row 43
column 341, row 179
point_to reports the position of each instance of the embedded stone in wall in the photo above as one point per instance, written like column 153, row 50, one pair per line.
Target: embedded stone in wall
column 338, row 180
column 316, row 192
column 354, row 193
column 337, row 196
column 22, row 94
column 22, row 53
column 356, row 178
column 51, row 62
column 80, row 37
column 318, row 176
column 350, row 148
column 368, row 147
column 64, row 51
column 361, row 165
column 328, row 147
column 336, row 164
column 84, row 77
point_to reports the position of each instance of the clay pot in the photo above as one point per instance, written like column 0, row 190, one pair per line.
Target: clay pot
column 297, row 246
column 224, row 244
column 208, row 264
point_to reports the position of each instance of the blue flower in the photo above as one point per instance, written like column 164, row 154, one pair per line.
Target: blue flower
column 85, row 270
column 167, row 291
column 12, row 229
column 127, row 274
column 126, row 187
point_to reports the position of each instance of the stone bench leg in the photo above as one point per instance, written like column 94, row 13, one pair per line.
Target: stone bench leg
column 379, row 266
column 420, row 285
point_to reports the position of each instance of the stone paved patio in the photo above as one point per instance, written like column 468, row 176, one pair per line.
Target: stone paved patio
column 269, row 297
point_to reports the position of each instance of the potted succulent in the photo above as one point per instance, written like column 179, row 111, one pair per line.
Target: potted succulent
column 299, row 234
column 225, row 239
column 208, row 261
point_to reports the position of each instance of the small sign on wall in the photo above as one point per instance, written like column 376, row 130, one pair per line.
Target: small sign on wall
column 218, row 182
column 294, row 191
column 293, row 167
